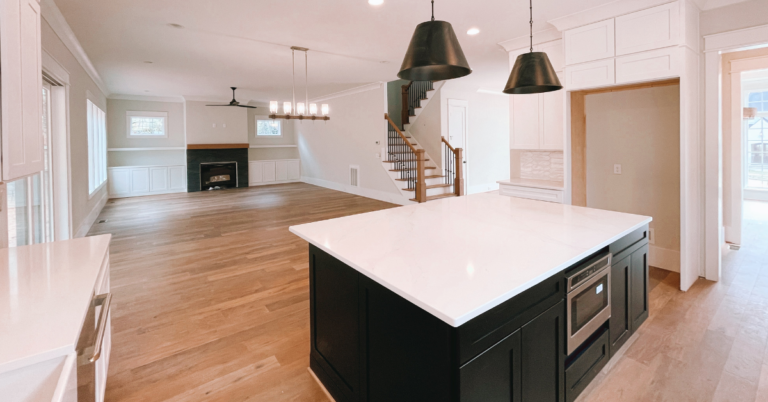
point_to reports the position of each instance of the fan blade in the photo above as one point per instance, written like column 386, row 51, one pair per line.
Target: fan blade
column 218, row 105
column 250, row 107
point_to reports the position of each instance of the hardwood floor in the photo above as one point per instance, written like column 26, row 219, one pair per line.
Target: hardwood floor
column 211, row 303
column 211, row 293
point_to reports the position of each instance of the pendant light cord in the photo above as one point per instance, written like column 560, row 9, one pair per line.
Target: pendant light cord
column 306, row 83
column 433, row 10
column 293, row 73
column 531, row 22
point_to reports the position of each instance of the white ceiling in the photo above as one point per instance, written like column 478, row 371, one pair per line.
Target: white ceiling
column 245, row 43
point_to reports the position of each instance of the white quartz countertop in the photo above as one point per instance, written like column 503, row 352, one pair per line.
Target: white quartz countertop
column 547, row 184
column 459, row 257
column 45, row 291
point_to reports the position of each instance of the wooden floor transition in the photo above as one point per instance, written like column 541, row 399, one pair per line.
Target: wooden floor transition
column 211, row 304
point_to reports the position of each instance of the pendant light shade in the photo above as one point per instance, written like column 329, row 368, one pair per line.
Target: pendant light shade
column 434, row 54
column 532, row 74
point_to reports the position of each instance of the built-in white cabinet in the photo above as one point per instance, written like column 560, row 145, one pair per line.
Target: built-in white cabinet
column 134, row 181
column 20, row 88
column 649, row 29
column 590, row 75
column 590, row 42
column 273, row 172
column 648, row 66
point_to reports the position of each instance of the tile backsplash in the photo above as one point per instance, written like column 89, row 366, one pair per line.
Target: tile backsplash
column 541, row 165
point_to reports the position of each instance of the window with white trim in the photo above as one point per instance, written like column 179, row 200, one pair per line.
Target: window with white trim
column 147, row 124
column 269, row 128
column 97, row 147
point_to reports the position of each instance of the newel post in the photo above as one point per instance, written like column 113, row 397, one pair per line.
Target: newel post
column 459, row 180
column 421, row 180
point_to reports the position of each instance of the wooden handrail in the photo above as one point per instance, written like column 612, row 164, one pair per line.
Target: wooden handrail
column 448, row 144
column 392, row 123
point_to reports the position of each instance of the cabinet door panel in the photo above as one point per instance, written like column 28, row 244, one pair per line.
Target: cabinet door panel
column 178, row 177
column 553, row 120
column 294, row 170
column 525, row 121
column 543, row 356
column 653, row 28
column 620, row 290
column 255, row 172
column 140, row 180
column 281, row 170
column 158, row 179
column 21, row 88
column 589, row 43
column 651, row 65
column 268, row 171
column 495, row 375
column 119, row 181
column 555, row 52
column 590, row 75
column 639, row 287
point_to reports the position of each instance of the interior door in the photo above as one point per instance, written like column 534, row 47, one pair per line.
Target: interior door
column 457, row 129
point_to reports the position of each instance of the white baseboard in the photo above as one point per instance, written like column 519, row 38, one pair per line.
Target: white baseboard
column 482, row 188
column 664, row 258
column 89, row 220
column 181, row 190
column 361, row 191
column 269, row 183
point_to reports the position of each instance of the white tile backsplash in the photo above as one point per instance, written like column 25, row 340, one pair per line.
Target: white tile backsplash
column 542, row 165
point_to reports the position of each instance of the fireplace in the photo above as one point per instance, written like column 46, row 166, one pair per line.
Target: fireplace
column 218, row 175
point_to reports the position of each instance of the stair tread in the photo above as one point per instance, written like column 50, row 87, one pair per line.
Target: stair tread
column 437, row 197
column 429, row 187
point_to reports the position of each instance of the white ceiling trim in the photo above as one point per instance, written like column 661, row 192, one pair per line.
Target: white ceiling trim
column 174, row 99
column 54, row 69
column 740, row 39
column 363, row 88
column 712, row 4
column 547, row 35
column 604, row 12
column 53, row 15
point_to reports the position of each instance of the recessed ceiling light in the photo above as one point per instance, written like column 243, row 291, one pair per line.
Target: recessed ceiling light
column 375, row 2
column 176, row 25
column 473, row 31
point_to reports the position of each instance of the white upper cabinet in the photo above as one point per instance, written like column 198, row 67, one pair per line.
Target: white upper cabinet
column 649, row 29
column 648, row 66
column 589, row 43
column 553, row 120
column 596, row 74
column 555, row 52
column 526, row 121
column 21, row 88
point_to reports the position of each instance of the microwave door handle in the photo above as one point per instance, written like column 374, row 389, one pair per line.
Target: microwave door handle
column 103, row 300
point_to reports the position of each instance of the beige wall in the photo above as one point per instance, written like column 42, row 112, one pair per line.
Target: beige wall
column 395, row 101
column 487, row 148
column 81, row 85
column 201, row 118
column 288, row 138
column 426, row 129
column 736, row 16
column 117, row 135
column 731, row 143
column 639, row 129
column 328, row 148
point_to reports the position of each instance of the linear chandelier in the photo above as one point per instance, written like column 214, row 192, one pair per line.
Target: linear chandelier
column 299, row 111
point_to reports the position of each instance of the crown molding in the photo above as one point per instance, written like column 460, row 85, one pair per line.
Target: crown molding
column 604, row 12
column 740, row 39
column 59, row 24
column 173, row 99
column 363, row 88
column 547, row 35
column 713, row 4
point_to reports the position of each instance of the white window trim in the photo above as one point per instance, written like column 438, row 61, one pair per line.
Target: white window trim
column 131, row 113
column 97, row 150
column 264, row 118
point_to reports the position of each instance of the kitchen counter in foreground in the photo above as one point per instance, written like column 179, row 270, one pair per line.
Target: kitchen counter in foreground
column 459, row 257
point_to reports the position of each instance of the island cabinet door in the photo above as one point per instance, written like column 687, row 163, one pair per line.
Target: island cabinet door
column 543, row 356
column 496, row 374
column 639, row 284
column 620, row 324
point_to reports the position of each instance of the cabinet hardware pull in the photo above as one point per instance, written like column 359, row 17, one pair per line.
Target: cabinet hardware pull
column 103, row 300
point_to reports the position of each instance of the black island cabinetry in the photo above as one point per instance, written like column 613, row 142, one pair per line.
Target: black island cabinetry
column 369, row 344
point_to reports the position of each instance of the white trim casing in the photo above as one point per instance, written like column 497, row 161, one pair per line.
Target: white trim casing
column 132, row 113
column 51, row 13
column 256, row 121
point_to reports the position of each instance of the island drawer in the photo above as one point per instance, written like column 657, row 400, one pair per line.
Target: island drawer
column 484, row 331
column 586, row 363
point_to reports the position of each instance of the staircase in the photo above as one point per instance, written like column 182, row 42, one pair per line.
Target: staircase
column 415, row 173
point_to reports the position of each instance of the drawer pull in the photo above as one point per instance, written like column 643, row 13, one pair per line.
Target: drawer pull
column 104, row 300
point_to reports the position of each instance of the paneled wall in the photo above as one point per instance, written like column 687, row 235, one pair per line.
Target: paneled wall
column 136, row 181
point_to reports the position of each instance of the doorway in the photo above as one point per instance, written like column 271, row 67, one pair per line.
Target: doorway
column 458, row 113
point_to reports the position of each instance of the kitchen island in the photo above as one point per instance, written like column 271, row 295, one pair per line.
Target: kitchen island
column 465, row 299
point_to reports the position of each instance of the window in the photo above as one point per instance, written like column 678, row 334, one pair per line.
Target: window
column 147, row 124
column 756, row 155
column 97, row 147
column 269, row 128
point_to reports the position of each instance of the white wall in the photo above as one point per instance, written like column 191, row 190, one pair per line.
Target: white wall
column 288, row 138
column 736, row 16
column 639, row 129
column 487, row 148
column 426, row 129
column 231, row 124
column 117, row 135
column 85, row 207
column 328, row 148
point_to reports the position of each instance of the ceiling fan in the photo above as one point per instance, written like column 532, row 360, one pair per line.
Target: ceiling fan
column 234, row 102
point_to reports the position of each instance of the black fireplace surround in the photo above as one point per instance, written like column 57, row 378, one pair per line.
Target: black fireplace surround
column 215, row 161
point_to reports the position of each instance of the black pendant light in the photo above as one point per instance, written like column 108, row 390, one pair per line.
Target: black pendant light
column 532, row 73
column 434, row 53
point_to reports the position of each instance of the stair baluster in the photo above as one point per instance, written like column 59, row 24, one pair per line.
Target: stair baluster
column 454, row 167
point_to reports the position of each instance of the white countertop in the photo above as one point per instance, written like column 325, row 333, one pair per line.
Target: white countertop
column 45, row 291
column 459, row 257
column 547, row 184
